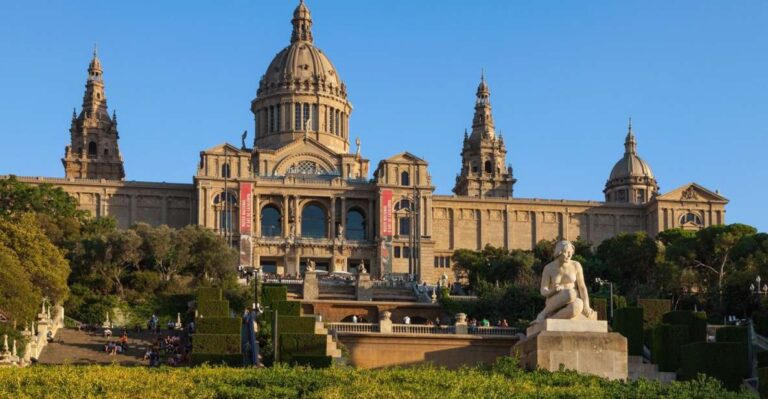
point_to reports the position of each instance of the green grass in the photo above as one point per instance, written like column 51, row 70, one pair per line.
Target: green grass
column 505, row 380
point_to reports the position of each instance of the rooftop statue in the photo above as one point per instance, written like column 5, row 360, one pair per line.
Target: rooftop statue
column 562, row 284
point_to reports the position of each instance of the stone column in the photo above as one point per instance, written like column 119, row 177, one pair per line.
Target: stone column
column 286, row 214
column 369, row 221
column 311, row 290
column 344, row 213
column 132, row 218
column 257, row 215
column 332, row 230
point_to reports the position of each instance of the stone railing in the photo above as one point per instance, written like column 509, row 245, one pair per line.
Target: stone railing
column 463, row 298
column 493, row 331
column 422, row 329
column 353, row 327
column 286, row 281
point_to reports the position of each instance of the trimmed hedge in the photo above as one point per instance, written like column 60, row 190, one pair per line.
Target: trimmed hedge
column 600, row 305
column 213, row 308
column 301, row 345
column 696, row 322
column 760, row 322
column 272, row 293
column 231, row 360
column 216, row 343
column 762, row 359
column 762, row 375
column 654, row 310
column 205, row 294
column 296, row 324
column 287, row 308
column 316, row 362
column 629, row 322
column 666, row 343
column 218, row 325
column 738, row 335
column 721, row 360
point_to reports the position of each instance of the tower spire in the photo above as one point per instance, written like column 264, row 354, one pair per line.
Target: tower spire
column 302, row 24
column 630, row 143
column 482, row 123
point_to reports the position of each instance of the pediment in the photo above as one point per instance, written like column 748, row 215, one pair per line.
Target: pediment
column 223, row 148
column 306, row 156
column 306, row 145
column 692, row 192
column 406, row 157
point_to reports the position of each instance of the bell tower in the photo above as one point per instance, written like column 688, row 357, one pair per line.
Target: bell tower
column 93, row 152
column 483, row 156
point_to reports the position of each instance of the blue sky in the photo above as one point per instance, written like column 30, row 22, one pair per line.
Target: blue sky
column 564, row 78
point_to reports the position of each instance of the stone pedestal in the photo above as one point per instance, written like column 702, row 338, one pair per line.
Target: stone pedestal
column 581, row 345
column 364, row 287
column 311, row 290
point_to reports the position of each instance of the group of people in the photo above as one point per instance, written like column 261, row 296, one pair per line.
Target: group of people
column 113, row 347
column 176, row 351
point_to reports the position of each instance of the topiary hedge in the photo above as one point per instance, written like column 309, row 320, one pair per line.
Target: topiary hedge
column 721, row 360
column 654, row 310
column 762, row 376
column 272, row 293
column 629, row 323
column 760, row 322
column 301, row 345
column 213, row 308
column 316, row 362
column 231, row 360
column 696, row 322
column 296, row 324
column 287, row 308
column 217, row 325
column 666, row 343
column 208, row 294
column 762, row 359
column 738, row 335
column 216, row 343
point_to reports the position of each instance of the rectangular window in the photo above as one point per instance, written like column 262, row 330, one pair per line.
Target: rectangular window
column 406, row 252
column 278, row 121
column 640, row 196
column 297, row 117
column 437, row 261
column 397, row 252
column 315, row 118
column 330, row 120
column 405, row 226
column 306, row 118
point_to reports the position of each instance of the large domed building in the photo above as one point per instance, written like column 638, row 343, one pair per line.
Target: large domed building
column 300, row 193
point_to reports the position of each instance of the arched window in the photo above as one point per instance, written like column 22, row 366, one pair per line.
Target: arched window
column 405, row 179
column 225, row 204
column 225, row 171
column 355, row 225
column 313, row 222
column 488, row 167
column 106, row 151
column 92, row 149
column 402, row 213
column 690, row 218
column 271, row 222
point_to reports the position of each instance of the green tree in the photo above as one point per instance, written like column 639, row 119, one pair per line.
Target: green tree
column 18, row 296
column 156, row 246
column 629, row 260
column 211, row 257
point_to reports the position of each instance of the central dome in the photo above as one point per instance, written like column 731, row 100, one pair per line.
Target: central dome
column 301, row 94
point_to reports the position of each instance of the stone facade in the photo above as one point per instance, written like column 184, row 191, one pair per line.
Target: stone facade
column 300, row 193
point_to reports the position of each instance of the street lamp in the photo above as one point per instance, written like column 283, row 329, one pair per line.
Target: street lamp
column 757, row 289
column 603, row 282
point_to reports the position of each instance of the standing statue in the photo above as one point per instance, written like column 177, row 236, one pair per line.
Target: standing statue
column 562, row 284
column 242, row 138
column 361, row 268
column 310, row 265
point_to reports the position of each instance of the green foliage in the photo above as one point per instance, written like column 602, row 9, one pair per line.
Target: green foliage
column 213, row 309
column 496, row 265
column 218, row 325
column 696, row 322
column 629, row 323
column 208, row 294
column 738, row 335
column 216, row 343
column 315, row 362
column 301, row 344
column 69, row 382
column 762, row 359
column 654, row 310
column 296, row 324
column 666, row 343
column 760, row 322
column 629, row 260
column 18, row 295
column 231, row 360
column 287, row 308
column 87, row 306
column 721, row 360
column 272, row 293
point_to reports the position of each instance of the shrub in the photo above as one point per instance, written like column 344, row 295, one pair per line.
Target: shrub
column 696, row 322
column 654, row 310
column 315, row 362
column 216, row 343
column 301, row 345
column 762, row 359
column 667, row 339
column 232, row 360
column 760, row 320
column 287, row 308
column 205, row 294
column 213, row 308
column 629, row 322
column 762, row 375
column 738, row 335
column 721, row 360
column 218, row 325
column 296, row 324
column 272, row 293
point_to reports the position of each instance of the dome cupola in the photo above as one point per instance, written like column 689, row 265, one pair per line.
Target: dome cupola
column 631, row 179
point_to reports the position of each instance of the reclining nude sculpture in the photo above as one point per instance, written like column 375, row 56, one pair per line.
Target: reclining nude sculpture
column 562, row 284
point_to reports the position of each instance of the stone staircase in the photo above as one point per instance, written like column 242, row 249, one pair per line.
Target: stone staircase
column 637, row 368
column 331, row 349
column 389, row 294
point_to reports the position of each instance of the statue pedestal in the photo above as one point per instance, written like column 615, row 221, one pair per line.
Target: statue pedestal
column 585, row 346
column 310, row 289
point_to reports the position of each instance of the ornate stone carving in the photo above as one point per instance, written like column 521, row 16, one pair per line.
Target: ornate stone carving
column 689, row 194
column 562, row 284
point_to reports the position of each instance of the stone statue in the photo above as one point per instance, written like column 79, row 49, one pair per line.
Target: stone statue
column 242, row 138
column 340, row 231
column 310, row 265
column 562, row 284
column 362, row 268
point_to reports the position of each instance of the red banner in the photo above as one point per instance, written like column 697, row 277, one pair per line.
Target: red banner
column 386, row 213
column 246, row 208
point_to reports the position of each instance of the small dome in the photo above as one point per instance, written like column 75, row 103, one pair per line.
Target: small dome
column 301, row 62
column 631, row 166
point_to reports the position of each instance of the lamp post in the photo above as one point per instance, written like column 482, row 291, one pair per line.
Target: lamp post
column 603, row 282
column 756, row 289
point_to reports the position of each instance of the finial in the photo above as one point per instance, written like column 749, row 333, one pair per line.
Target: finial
column 114, row 116
column 95, row 50
column 482, row 74
column 74, row 113
column 629, row 130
